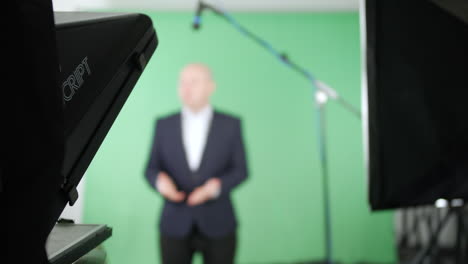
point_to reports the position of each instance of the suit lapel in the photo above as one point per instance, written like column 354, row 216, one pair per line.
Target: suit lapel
column 212, row 130
column 180, row 142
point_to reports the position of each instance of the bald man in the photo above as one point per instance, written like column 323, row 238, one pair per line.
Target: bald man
column 197, row 159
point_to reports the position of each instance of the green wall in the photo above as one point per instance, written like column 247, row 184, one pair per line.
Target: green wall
column 280, row 206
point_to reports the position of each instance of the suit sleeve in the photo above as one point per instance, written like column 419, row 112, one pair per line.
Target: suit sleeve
column 153, row 166
column 238, row 165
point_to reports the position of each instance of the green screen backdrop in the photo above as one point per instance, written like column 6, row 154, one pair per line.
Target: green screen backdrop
column 280, row 206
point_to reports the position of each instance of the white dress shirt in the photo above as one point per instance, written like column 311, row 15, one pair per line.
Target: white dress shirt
column 195, row 129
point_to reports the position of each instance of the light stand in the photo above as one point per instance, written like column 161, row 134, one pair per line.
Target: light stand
column 455, row 209
column 321, row 100
column 322, row 93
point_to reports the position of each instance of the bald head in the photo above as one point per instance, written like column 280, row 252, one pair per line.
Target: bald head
column 196, row 86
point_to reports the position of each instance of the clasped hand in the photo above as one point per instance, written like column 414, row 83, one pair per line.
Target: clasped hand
column 200, row 195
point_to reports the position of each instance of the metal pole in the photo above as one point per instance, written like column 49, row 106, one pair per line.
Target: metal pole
column 321, row 116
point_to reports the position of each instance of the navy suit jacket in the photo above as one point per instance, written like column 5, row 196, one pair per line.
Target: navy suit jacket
column 223, row 157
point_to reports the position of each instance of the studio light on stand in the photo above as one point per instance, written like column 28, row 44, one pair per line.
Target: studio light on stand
column 322, row 93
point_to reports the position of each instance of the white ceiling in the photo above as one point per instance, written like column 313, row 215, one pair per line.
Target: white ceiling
column 231, row 5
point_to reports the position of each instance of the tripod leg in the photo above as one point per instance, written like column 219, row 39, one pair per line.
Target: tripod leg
column 419, row 259
column 461, row 246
